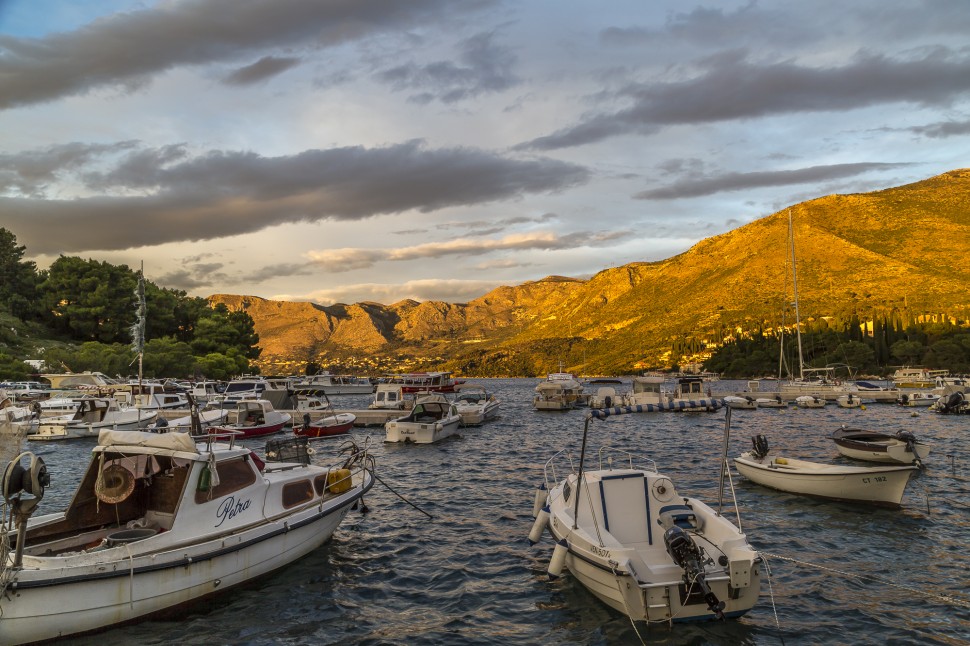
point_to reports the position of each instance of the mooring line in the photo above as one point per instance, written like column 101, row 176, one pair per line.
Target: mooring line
column 939, row 597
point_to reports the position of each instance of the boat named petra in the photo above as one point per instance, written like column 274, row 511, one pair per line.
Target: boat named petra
column 432, row 418
column 159, row 521
column 883, row 486
column 624, row 531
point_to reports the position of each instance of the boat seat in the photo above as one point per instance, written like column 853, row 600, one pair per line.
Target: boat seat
column 679, row 516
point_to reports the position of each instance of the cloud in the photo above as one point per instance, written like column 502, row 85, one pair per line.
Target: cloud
column 156, row 196
column 730, row 87
column 30, row 173
column 348, row 259
column 264, row 68
column 740, row 181
column 485, row 67
column 448, row 290
column 943, row 129
column 127, row 49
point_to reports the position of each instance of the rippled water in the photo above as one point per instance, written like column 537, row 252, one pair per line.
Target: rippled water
column 469, row 576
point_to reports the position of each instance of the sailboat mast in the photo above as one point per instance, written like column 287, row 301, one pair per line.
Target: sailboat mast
column 794, row 275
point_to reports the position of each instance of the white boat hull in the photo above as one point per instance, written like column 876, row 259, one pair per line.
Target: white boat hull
column 632, row 572
column 131, row 420
column 156, row 582
column 420, row 433
column 876, row 485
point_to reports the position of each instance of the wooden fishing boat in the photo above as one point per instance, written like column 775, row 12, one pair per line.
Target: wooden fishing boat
column 882, row 486
column 873, row 446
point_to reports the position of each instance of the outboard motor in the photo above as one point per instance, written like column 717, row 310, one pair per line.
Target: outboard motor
column 910, row 440
column 953, row 403
column 759, row 446
column 685, row 553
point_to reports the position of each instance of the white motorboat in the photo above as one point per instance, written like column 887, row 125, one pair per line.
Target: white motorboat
column 560, row 391
column 93, row 415
column 873, row 446
column 329, row 384
column 388, row 396
column 159, row 521
column 254, row 418
column 917, row 399
column 642, row 548
column 475, row 405
column 771, row 402
column 432, row 418
column 810, row 401
column 882, row 486
column 850, row 400
column 606, row 397
column 690, row 395
column 648, row 389
column 740, row 403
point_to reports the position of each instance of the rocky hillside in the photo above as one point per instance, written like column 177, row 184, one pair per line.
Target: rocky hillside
column 902, row 249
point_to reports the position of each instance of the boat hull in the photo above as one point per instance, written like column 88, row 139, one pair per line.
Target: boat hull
column 328, row 426
column 48, row 604
column 420, row 433
column 883, row 486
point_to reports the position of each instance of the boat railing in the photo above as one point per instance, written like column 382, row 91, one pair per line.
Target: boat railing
column 559, row 461
column 612, row 458
column 211, row 436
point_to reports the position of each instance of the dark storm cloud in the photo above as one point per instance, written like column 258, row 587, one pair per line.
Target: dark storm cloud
column 943, row 129
column 264, row 68
column 29, row 173
column 227, row 193
column 742, row 181
column 126, row 49
column 733, row 88
column 485, row 67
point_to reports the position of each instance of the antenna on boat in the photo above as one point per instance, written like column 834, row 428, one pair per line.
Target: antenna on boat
column 579, row 478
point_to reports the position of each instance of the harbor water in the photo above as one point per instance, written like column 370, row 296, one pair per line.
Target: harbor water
column 839, row 573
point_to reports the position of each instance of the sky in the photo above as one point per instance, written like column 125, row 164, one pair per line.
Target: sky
column 377, row 150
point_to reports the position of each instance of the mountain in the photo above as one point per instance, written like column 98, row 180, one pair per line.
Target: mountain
column 901, row 250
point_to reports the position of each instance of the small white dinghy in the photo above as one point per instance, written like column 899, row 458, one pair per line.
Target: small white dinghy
column 883, row 486
column 874, row 446
column 740, row 403
column 849, row 400
column 810, row 401
column 626, row 534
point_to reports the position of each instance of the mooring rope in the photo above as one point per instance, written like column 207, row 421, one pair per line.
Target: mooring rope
column 931, row 595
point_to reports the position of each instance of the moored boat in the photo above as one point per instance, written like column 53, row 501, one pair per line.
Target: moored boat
column 159, row 521
column 738, row 402
column 253, row 418
column 810, row 401
column 882, row 486
column 93, row 415
column 873, row 446
column 850, row 400
column 475, row 405
column 431, row 419
column 330, row 423
column 626, row 534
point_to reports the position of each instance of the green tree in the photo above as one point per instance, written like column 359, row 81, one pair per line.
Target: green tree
column 90, row 300
column 18, row 277
column 167, row 357
column 907, row 352
column 13, row 369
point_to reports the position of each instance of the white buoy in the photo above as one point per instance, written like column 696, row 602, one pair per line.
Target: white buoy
column 540, row 500
column 542, row 519
column 558, row 559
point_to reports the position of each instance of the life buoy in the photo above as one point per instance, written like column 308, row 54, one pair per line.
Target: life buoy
column 114, row 484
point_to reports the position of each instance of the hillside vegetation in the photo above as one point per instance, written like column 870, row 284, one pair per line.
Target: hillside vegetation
column 896, row 253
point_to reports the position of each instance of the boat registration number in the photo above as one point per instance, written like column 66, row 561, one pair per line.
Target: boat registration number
column 874, row 479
